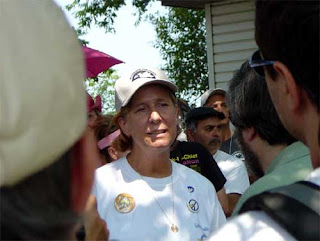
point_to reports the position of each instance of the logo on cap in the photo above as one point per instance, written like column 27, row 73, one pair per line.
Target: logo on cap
column 124, row 203
column 143, row 73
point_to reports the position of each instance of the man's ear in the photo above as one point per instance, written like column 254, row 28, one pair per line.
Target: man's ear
column 249, row 134
column 291, row 90
column 122, row 122
column 84, row 155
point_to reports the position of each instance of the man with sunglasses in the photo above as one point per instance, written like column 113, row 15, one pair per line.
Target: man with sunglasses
column 270, row 151
column 287, row 33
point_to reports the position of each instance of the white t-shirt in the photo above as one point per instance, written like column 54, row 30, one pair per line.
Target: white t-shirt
column 257, row 225
column 147, row 221
column 234, row 171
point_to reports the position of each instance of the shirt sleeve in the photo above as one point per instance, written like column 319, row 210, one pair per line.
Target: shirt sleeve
column 211, row 170
column 238, row 180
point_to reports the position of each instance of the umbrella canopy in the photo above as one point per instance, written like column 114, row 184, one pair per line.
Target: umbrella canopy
column 97, row 61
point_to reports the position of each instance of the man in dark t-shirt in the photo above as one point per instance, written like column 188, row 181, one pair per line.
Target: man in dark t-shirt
column 197, row 157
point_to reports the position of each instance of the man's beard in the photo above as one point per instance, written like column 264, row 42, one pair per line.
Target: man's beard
column 251, row 159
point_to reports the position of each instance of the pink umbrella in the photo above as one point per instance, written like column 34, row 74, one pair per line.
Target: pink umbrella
column 97, row 61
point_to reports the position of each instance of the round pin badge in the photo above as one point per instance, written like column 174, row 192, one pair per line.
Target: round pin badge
column 124, row 203
column 193, row 205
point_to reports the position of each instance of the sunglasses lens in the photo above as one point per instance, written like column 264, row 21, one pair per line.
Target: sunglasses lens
column 256, row 57
column 259, row 70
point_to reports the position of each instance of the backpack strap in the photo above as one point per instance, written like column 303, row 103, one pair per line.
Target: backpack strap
column 295, row 207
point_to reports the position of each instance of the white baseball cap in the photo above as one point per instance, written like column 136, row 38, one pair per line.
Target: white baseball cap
column 205, row 96
column 42, row 94
column 131, row 81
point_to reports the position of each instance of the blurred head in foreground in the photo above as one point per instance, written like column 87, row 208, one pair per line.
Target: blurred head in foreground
column 46, row 171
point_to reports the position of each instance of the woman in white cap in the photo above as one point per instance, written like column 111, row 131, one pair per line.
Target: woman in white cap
column 145, row 196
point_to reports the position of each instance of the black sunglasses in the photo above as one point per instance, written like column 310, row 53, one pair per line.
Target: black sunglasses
column 257, row 62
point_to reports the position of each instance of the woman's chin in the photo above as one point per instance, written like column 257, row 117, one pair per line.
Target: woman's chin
column 159, row 144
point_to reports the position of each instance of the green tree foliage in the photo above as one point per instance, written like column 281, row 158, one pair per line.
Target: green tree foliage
column 102, row 12
column 103, row 85
column 180, row 38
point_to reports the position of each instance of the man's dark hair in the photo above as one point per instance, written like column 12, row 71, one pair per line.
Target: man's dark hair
column 251, row 106
column 288, row 31
column 39, row 207
column 201, row 113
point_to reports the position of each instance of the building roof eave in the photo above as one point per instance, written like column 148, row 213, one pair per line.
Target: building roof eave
column 193, row 4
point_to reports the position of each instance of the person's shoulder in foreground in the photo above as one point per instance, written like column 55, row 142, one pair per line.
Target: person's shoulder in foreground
column 257, row 225
column 251, row 226
column 291, row 165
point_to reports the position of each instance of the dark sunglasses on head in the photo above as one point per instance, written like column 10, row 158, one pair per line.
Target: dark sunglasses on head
column 257, row 62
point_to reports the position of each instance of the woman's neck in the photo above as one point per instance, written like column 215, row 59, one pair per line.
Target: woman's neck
column 150, row 164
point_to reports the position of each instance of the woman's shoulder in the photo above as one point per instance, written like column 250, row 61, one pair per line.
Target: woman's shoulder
column 190, row 175
column 110, row 169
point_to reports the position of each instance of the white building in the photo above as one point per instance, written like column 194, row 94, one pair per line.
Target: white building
column 230, row 35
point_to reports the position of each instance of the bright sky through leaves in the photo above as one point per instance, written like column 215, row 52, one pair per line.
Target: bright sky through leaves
column 131, row 44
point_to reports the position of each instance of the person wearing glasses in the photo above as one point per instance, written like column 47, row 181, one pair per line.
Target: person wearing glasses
column 270, row 151
column 287, row 33
column 145, row 196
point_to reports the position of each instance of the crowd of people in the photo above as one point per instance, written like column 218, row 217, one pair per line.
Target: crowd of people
column 245, row 165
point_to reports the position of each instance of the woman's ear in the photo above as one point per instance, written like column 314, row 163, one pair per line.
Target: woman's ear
column 122, row 122
column 113, row 153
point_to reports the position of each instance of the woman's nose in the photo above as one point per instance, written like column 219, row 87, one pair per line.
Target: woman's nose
column 154, row 116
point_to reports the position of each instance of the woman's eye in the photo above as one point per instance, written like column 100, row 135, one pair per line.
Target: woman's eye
column 163, row 104
column 141, row 109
